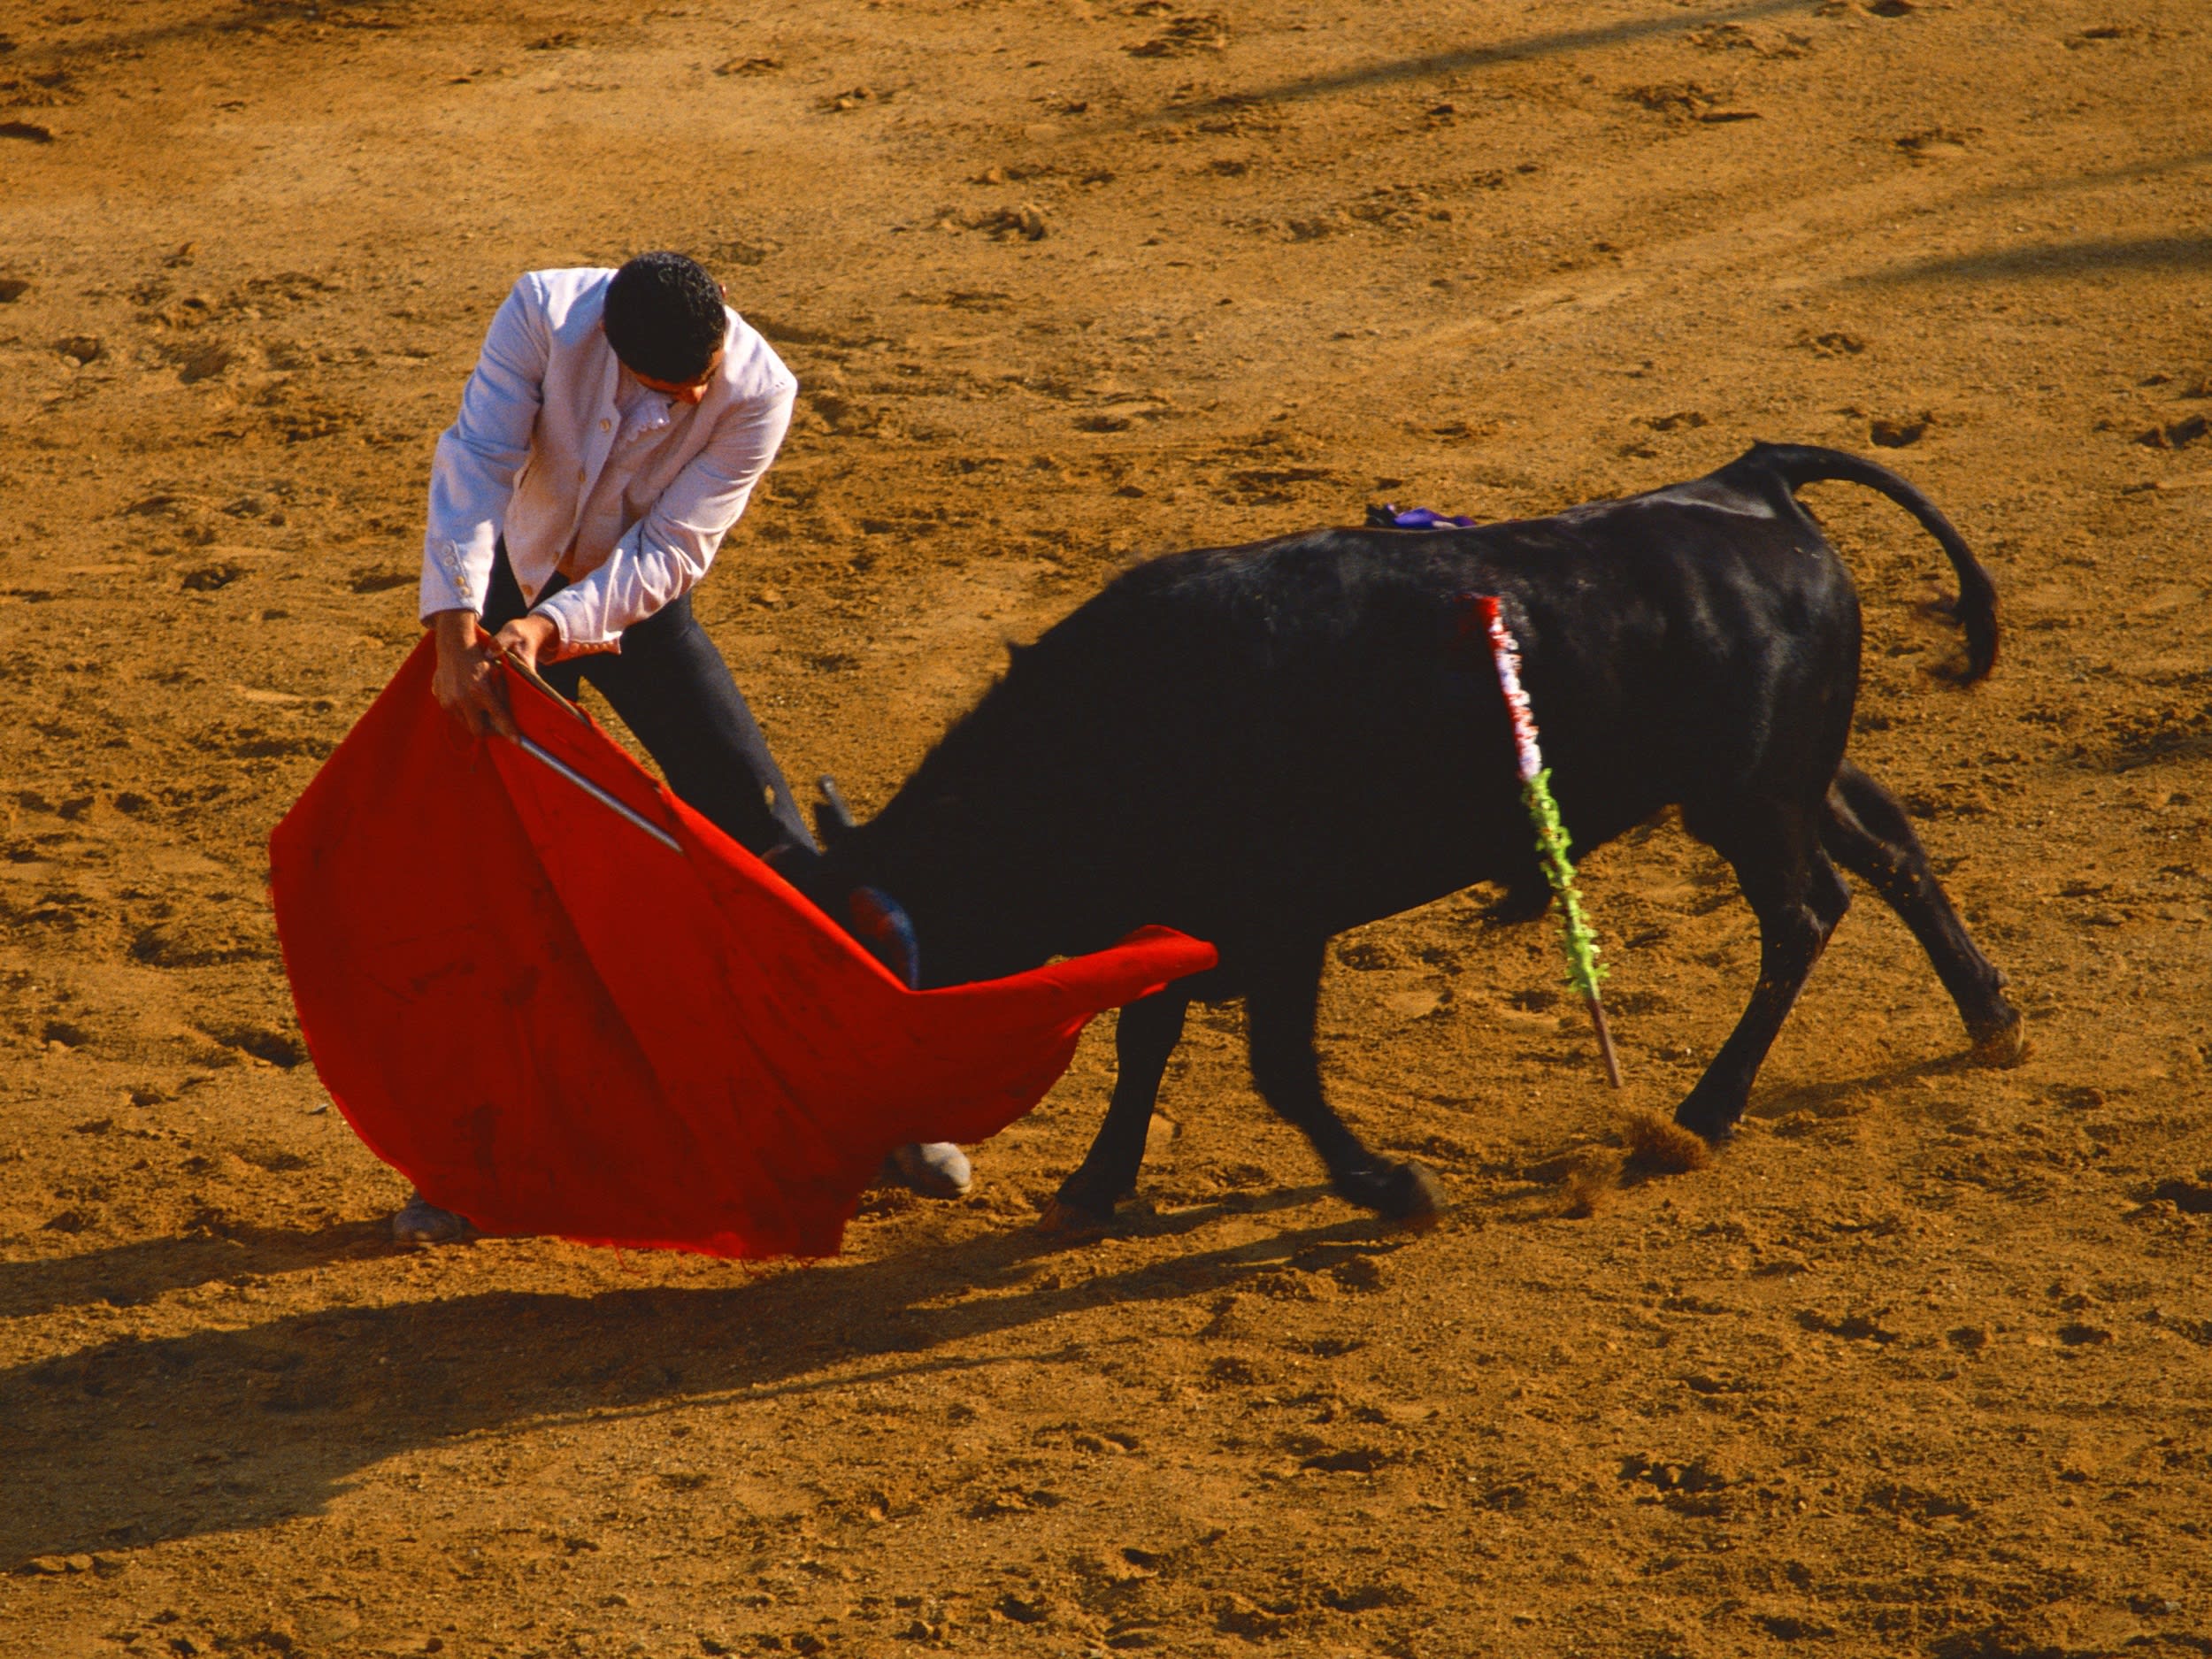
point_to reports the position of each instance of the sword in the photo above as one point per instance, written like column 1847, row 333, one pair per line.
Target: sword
column 538, row 752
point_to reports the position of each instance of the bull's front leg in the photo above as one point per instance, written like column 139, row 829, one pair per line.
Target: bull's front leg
column 1280, row 1005
column 1145, row 1035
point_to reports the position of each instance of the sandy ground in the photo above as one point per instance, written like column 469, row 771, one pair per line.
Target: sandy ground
column 1922, row 1365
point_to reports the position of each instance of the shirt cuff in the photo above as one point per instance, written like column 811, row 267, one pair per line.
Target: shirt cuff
column 445, row 582
column 576, row 640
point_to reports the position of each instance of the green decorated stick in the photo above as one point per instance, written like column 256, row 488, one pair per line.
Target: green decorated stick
column 1577, row 937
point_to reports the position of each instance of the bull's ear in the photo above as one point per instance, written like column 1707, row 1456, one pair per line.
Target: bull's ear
column 833, row 818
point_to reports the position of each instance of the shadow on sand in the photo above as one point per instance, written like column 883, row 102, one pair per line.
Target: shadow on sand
column 128, row 1274
column 2056, row 260
column 1461, row 59
column 134, row 1440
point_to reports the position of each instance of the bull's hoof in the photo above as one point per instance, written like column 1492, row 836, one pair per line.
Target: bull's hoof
column 2001, row 1046
column 1403, row 1193
column 1083, row 1206
column 1064, row 1219
column 1715, row 1126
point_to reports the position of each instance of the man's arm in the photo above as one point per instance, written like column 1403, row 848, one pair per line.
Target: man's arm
column 664, row 554
column 472, row 481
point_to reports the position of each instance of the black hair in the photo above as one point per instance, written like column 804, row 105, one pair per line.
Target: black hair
column 663, row 316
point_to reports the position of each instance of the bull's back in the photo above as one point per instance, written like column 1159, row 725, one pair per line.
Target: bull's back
column 1647, row 629
column 1303, row 733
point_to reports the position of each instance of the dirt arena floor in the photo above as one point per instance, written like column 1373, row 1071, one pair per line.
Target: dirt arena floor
column 1921, row 1365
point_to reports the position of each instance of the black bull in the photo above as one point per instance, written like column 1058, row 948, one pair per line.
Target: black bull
column 1266, row 745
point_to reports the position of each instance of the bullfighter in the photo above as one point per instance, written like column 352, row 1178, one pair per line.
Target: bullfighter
column 613, row 430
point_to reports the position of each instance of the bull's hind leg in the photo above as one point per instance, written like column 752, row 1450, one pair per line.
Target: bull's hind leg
column 1282, row 997
column 1866, row 831
column 1798, row 897
column 1145, row 1035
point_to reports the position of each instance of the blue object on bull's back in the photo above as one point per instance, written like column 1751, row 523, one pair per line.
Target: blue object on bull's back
column 1388, row 517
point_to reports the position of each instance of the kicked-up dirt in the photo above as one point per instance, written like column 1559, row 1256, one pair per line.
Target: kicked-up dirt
column 1922, row 1364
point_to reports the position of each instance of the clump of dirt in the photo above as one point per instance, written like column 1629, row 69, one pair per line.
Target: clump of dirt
column 1587, row 1183
column 1663, row 1145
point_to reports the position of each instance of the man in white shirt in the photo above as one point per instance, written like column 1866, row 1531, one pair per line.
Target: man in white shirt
column 611, row 433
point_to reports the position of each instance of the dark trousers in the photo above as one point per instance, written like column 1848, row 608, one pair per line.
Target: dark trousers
column 674, row 692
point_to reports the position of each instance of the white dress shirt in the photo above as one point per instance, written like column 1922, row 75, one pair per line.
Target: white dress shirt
column 625, row 491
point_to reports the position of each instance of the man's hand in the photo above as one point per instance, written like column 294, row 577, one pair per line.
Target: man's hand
column 468, row 681
column 529, row 638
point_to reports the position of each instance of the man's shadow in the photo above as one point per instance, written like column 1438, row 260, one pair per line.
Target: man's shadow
column 137, row 1439
column 128, row 1274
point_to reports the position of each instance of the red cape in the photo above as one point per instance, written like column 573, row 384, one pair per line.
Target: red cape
column 553, row 1024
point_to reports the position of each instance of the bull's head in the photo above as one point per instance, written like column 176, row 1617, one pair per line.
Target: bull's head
column 871, row 916
column 932, row 887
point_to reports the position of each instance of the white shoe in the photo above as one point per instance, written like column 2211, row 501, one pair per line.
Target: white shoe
column 936, row 1169
column 418, row 1221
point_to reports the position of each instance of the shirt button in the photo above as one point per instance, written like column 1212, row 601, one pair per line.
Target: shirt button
column 606, row 426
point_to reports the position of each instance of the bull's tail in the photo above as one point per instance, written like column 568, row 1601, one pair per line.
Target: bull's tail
column 1798, row 464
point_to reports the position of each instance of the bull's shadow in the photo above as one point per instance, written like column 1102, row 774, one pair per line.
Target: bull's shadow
column 135, row 1440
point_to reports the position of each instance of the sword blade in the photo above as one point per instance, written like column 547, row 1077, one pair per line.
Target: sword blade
column 537, row 752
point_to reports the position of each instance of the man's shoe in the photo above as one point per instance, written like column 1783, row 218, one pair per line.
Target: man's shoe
column 418, row 1221
column 936, row 1169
